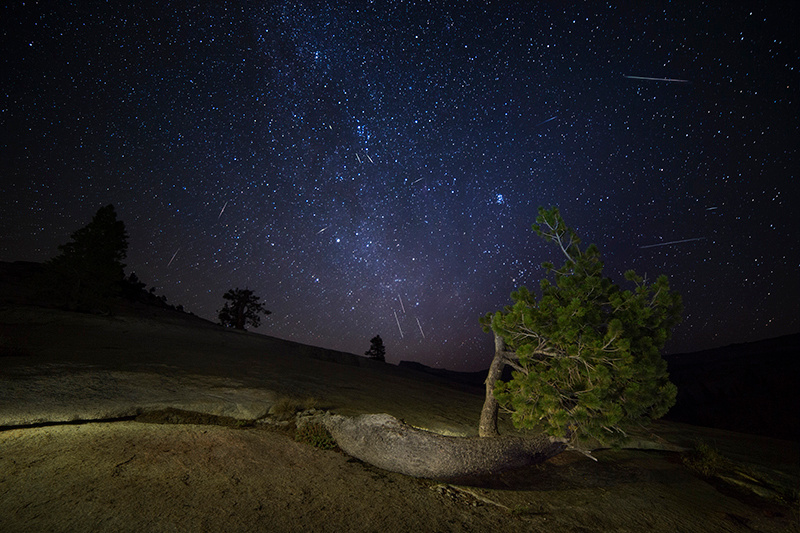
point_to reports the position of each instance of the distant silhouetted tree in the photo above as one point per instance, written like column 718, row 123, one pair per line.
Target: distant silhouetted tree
column 133, row 287
column 89, row 269
column 376, row 350
column 241, row 309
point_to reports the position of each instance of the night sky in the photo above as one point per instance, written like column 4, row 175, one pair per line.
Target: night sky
column 375, row 167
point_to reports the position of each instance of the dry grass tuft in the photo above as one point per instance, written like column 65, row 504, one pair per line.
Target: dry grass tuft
column 316, row 435
column 286, row 408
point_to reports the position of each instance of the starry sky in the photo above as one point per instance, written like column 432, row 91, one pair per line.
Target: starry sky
column 375, row 167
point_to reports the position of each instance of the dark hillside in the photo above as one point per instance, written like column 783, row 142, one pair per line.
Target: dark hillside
column 749, row 388
column 18, row 282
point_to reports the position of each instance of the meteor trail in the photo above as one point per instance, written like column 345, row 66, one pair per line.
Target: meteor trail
column 671, row 242
column 398, row 324
column 656, row 79
column 359, row 159
column 546, row 121
column 173, row 256
column 323, row 229
column 420, row 328
column 415, row 181
column 223, row 210
column 403, row 307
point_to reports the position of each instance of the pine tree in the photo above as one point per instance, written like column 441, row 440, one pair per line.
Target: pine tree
column 89, row 269
column 376, row 350
column 242, row 309
column 586, row 354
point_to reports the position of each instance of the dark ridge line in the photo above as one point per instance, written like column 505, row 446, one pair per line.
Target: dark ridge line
column 79, row 422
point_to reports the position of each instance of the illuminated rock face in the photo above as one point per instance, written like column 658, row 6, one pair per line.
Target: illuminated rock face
column 388, row 443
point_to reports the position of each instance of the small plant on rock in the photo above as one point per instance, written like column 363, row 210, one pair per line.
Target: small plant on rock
column 316, row 435
column 284, row 409
column 704, row 459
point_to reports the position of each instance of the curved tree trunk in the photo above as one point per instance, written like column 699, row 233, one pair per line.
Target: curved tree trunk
column 383, row 441
column 488, row 423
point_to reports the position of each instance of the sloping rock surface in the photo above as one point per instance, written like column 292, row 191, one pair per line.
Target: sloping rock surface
column 61, row 394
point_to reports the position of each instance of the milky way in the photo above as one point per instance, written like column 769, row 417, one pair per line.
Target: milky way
column 375, row 167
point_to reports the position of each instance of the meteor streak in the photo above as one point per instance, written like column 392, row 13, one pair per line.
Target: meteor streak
column 656, row 79
column 420, row 328
column 546, row 121
column 323, row 229
column 398, row 324
column 222, row 210
column 671, row 242
column 403, row 307
column 173, row 256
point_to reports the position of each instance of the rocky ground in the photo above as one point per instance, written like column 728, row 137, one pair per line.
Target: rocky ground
column 142, row 424
column 134, row 476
